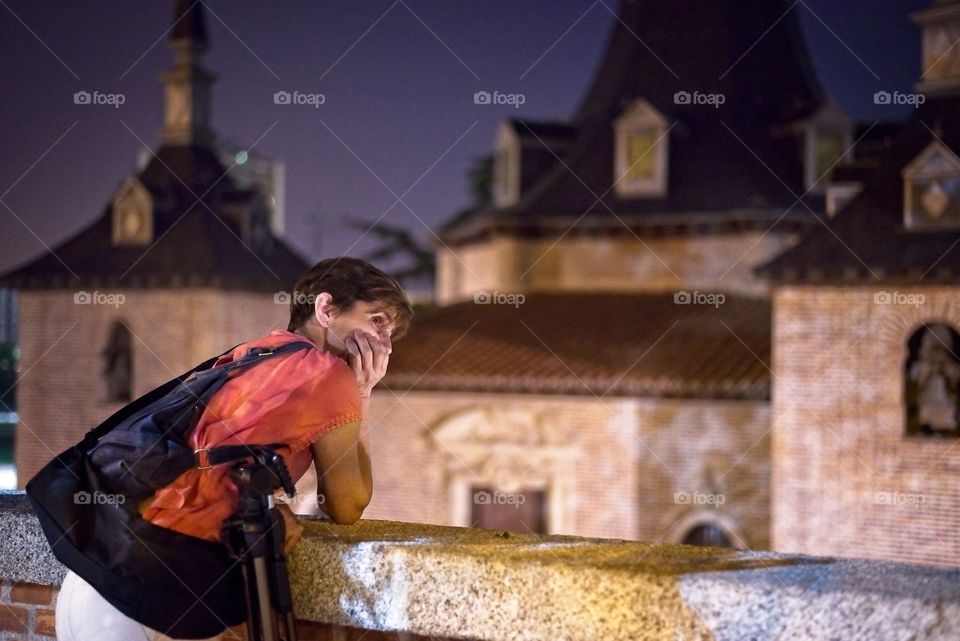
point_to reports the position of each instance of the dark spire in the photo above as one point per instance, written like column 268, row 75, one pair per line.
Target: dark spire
column 187, row 107
column 189, row 23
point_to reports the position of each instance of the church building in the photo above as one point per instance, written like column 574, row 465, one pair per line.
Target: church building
column 181, row 264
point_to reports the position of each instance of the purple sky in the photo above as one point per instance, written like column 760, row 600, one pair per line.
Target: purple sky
column 398, row 77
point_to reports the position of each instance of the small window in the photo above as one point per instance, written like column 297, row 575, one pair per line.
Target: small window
column 506, row 166
column 830, row 148
column 641, row 152
column 506, row 170
column 522, row 511
column 931, row 189
column 708, row 534
column 932, row 382
column 641, row 158
column 118, row 364
column 827, row 141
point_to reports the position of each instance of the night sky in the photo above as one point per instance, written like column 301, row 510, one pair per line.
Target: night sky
column 398, row 78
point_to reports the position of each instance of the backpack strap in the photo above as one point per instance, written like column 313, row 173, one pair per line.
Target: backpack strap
column 227, row 453
column 91, row 437
column 120, row 415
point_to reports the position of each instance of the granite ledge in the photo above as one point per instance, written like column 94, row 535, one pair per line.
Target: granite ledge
column 484, row 584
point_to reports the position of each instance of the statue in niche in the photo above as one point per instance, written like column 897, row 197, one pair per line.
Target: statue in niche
column 118, row 365
column 933, row 383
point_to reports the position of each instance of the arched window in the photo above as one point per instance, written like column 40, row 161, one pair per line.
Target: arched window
column 932, row 381
column 709, row 534
column 118, row 364
column 707, row 526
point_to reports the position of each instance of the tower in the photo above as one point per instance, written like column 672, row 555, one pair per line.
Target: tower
column 180, row 264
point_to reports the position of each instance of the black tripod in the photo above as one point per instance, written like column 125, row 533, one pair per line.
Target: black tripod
column 254, row 535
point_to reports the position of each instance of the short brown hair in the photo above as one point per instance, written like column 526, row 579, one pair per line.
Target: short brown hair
column 349, row 280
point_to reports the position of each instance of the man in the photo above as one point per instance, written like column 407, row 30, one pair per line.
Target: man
column 312, row 401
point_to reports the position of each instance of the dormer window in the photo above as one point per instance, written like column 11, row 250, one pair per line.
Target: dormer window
column 827, row 139
column 506, row 167
column 641, row 150
column 132, row 214
column 931, row 186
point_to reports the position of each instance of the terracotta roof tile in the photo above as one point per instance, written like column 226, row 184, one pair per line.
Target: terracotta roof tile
column 621, row 344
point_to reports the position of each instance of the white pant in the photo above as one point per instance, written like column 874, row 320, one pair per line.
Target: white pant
column 84, row 615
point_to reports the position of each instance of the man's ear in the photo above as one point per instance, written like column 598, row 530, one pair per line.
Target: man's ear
column 323, row 309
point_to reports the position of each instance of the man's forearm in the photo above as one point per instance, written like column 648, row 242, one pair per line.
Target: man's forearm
column 364, row 423
column 363, row 446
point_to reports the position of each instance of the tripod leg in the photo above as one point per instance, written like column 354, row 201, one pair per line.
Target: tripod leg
column 264, row 605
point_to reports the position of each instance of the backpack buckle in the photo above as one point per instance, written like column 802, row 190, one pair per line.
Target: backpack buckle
column 203, row 459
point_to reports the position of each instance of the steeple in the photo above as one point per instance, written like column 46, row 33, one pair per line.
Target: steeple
column 941, row 59
column 757, row 57
column 187, row 105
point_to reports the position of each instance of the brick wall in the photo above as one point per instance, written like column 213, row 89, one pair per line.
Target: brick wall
column 62, row 391
column 846, row 480
column 613, row 468
column 26, row 611
column 27, row 614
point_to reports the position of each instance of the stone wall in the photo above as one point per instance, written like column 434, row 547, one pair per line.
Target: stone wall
column 381, row 580
column 846, row 479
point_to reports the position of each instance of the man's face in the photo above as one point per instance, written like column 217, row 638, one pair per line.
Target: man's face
column 372, row 318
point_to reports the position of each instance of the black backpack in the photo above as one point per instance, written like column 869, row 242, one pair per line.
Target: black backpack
column 86, row 501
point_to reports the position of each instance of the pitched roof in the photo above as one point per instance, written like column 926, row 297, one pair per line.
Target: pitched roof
column 869, row 231
column 192, row 246
column 766, row 77
column 621, row 344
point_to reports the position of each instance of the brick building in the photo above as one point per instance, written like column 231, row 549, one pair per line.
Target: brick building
column 181, row 264
column 665, row 327
column 599, row 361
column 866, row 310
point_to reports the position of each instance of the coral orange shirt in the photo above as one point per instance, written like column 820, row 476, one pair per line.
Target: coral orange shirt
column 292, row 398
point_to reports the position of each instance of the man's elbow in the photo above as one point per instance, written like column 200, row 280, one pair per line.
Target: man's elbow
column 349, row 512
